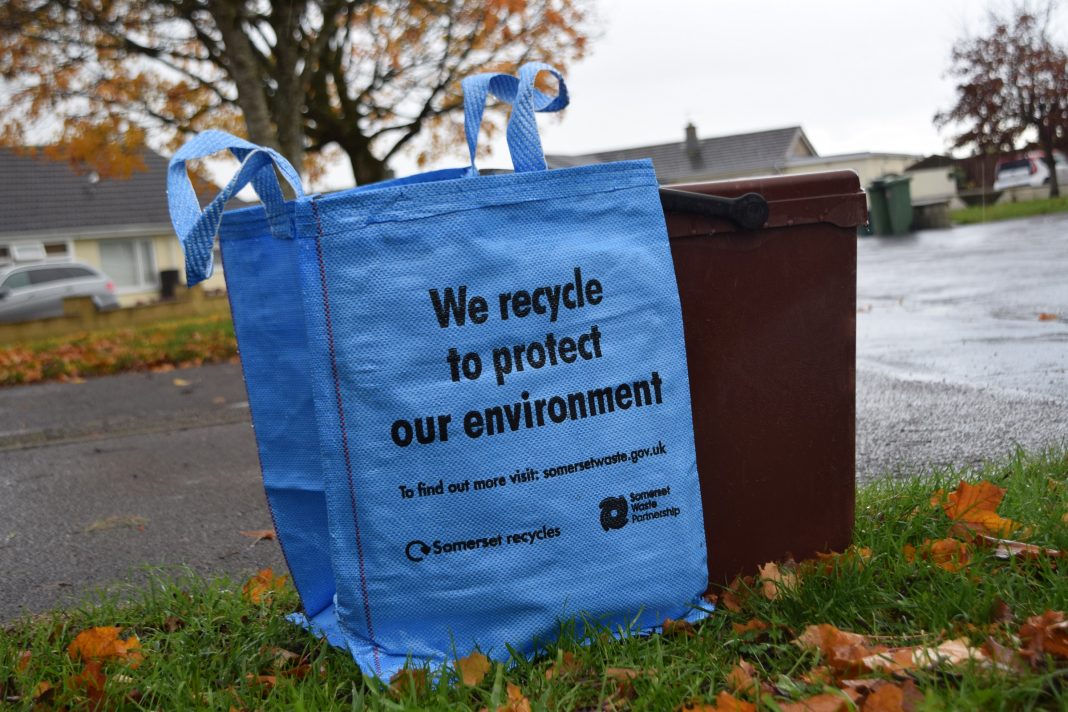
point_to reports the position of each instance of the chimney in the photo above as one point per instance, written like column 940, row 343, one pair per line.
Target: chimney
column 693, row 149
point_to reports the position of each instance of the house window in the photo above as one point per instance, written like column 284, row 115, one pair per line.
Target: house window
column 131, row 264
column 5, row 255
column 57, row 250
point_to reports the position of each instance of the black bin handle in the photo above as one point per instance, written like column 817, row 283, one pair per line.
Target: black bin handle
column 749, row 211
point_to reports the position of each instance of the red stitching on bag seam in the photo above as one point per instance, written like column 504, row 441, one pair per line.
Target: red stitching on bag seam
column 344, row 435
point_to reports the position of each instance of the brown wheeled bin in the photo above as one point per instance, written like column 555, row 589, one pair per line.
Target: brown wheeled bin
column 770, row 323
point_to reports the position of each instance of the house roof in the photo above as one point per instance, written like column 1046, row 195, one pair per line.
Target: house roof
column 38, row 194
column 41, row 195
column 754, row 152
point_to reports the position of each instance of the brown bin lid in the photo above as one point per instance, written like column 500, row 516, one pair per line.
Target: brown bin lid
column 832, row 197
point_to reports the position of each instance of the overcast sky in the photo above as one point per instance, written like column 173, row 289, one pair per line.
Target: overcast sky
column 857, row 75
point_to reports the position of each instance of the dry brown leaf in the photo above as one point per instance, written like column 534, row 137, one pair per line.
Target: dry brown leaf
column 566, row 665
column 741, row 680
column 408, row 682
column 732, row 601
column 752, row 626
column 1047, row 316
column 1007, row 548
column 473, row 668
column 1001, row 612
column 104, row 643
column 516, row 701
column 267, row 682
column 678, row 628
column 949, row 554
column 259, row 534
column 173, row 623
column 843, row 651
column 23, row 660
column 1004, row 657
column 725, row 702
column 90, row 682
column 1045, row 634
column 263, row 585
column 952, row 653
column 280, row 657
column 181, row 382
column 887, row 698
column 774, row 582
column 623, row 679
column 976, row 506
column 42, row 691
column 853, row 556
column 826, row 702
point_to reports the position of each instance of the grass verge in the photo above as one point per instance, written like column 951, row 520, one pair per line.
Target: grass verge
column 205, row 645
column 1009, row 211
column 164, row 346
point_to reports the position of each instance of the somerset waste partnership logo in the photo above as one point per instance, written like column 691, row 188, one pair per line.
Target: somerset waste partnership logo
column 614, row 511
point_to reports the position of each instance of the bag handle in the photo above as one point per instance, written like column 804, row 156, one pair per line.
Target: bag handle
column 506, row 87
column 196, row 229
column 523, row 139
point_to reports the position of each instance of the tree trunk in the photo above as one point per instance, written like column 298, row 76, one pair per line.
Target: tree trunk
column 1046, row 136
column 365, row 167
column 241, row 65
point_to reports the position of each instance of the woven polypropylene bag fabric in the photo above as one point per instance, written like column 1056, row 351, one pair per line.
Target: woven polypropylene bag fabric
column 539, row 494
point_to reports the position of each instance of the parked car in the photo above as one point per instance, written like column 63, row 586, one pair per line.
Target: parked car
column 36, row 291
column 1029, row 170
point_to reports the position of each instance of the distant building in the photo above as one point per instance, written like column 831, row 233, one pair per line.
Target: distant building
column 772, row 152
column 703, row 159
column 50, row 212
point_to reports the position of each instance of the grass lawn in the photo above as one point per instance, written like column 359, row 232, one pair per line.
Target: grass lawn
column 163, row 346
column 1008, row 211
column 204, row 644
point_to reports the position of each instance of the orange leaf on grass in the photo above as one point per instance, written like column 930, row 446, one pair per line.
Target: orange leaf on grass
column 842, row 650
column 104, row 643
column 753, row 626
column 90, row 682
column 742, row 679
column 949, row 554
column 408, row 682
column 566, row 665
column 677, row 628
column 263, row 585
column 725, row 702
column 887, row 698
column 1047, row 633
column 473, row 668
column 774, row 582
column 516, row 701
column 976, row 506
column 1007, row 548
column 826, row 702
column 23, row 660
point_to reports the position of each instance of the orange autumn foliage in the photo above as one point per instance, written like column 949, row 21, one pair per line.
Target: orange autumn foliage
column 103, row 643
column 262, row 586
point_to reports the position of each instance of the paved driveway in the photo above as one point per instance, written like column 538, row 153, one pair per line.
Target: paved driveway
column 100, row 479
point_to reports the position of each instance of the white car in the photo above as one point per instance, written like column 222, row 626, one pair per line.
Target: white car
column 1029, row 171
column 36, row 291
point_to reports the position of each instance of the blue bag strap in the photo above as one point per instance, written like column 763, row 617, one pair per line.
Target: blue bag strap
column 506, row 88
column 196, row 229
column 523, row 139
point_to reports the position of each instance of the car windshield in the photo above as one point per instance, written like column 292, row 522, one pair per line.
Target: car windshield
column 19, row 279
column 1014, row 165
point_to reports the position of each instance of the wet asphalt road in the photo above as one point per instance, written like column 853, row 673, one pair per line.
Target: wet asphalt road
column 101, row 479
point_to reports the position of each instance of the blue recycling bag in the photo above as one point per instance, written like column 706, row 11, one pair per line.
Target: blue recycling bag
column 495, row 371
